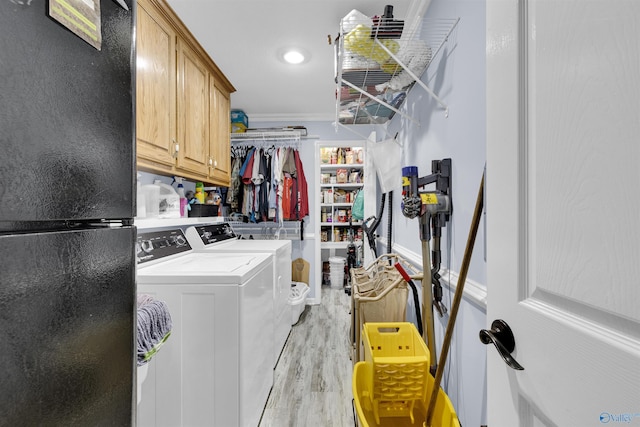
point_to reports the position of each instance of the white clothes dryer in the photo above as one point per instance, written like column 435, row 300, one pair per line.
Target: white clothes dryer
column 215, row 369
column 222, row 238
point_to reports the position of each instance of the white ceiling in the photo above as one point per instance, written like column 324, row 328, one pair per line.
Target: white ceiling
column 243, row 38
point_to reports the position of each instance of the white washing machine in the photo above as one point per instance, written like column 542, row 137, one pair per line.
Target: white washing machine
column 221, row 238
column 216, row 368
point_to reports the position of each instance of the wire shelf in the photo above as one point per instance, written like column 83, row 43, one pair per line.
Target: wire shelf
column 377, row 64
column 285, row 135
column 267, row 230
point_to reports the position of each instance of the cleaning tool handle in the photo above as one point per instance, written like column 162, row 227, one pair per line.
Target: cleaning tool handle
column 402, row 272
column 446, row 342
column 416, row 299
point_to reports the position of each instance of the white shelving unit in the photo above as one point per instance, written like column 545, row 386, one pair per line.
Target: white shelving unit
column 336, row 202
column 325, row 245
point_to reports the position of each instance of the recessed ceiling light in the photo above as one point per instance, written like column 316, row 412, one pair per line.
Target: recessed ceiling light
column 293, row 56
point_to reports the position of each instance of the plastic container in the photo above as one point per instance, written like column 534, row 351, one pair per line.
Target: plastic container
column 152, row 200
column 141, row 200
column 168, row 202
column 444, row 415
column 210, row 199
column 336, row 271
column 214, row 198
column 183, row 198
column 297, row 300
column 398, row 360
column 199, row 192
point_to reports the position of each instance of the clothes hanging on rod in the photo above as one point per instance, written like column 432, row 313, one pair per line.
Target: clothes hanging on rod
column 268, row 184
column 270, row 144
column 236, row 181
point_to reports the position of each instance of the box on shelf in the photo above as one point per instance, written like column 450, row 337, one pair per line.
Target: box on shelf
column 339, row 196
column 355, row 177
column 341, row 176
column 358, row 154
column 239, row 121
column 299, row 129
column 325, row 155
column 238, row 128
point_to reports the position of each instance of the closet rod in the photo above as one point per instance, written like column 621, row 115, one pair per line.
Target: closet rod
column 258, row 143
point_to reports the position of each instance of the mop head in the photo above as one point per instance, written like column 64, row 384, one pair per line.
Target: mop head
column 154, row 327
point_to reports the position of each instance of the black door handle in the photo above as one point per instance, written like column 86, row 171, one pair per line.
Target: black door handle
column 502, row 337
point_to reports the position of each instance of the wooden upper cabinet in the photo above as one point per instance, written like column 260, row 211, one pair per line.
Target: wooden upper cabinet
column 182, row 101
column 219, row 133
column 193, row 107
column 155, row 86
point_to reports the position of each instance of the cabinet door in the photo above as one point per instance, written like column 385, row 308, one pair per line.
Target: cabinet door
column 220, row 142
column 193, row 107
column 155, row 86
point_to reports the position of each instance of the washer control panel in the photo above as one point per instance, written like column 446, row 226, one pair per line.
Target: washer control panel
column 155, row 245
column 215, row 233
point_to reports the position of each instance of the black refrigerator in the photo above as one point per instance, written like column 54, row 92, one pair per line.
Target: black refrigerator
column 67, row 198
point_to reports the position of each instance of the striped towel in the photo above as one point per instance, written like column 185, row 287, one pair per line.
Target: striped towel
column 154, row 327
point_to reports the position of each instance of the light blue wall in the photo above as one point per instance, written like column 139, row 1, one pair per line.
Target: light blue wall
column 457, row 75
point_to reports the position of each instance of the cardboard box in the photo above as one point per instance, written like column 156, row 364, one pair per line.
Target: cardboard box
column 239, row 117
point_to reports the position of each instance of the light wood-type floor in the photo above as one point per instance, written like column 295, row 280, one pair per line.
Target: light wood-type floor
column 312, row 386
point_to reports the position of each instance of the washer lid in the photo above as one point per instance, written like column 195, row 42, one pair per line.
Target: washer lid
column 205, row 268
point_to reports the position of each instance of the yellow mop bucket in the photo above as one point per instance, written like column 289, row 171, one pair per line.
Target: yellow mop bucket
column 392, row 385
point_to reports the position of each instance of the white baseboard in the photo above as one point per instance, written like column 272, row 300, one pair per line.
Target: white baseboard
column 312, row 301
column 473, row 291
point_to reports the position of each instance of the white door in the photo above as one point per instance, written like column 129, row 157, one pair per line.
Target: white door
column 563, row 210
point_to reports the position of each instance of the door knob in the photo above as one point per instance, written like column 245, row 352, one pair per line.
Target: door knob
column 502, row 337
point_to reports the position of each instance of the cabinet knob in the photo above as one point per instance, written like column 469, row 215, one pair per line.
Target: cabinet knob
column 210, row 162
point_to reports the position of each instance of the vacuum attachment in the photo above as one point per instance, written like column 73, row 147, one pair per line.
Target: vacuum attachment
column 385, row 27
